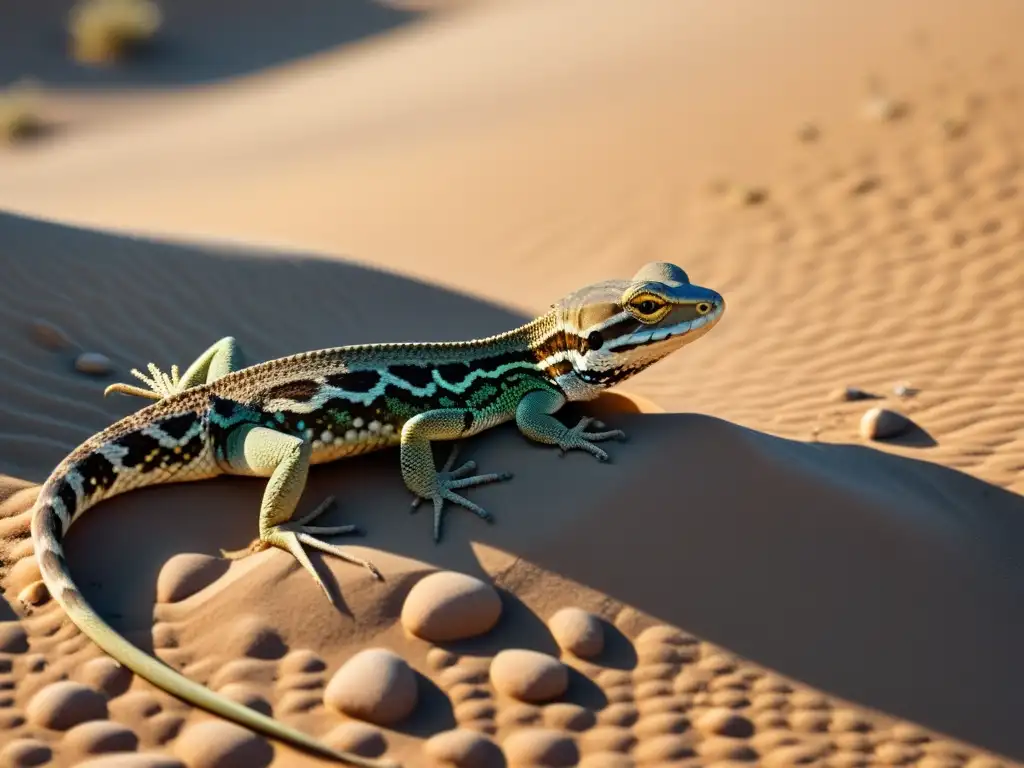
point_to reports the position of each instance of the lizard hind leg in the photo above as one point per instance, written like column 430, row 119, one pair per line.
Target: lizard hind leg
column 284, row 460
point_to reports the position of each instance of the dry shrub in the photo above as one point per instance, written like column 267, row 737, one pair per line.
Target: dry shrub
column 103, row 31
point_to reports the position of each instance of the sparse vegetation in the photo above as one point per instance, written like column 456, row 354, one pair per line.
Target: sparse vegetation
column 20, row 112
column 104, row 31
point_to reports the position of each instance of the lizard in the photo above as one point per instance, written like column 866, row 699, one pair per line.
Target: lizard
column 277, row 418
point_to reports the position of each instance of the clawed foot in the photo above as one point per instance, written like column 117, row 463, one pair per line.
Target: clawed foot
column 161, row 385
column 448, row 480
column 291, row 536
column 578, row 438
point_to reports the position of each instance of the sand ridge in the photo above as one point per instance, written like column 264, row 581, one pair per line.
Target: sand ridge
column 848, row 176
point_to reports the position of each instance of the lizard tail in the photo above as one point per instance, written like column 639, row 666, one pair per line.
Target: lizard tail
column 52, row 515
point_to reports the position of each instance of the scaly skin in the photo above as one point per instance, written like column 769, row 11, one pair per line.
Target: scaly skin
column 277, row 418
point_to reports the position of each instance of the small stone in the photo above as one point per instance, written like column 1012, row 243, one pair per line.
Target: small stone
column 519, row 714
column 908, row 733
column 851, row 394
column 796, row 754
column 578, row 632
column 568, row 717
column 894, row 753
column 64, row 704
column 49, row 335
column 607, row 738
column 660, row 724
column 25, row 753
column 809, row 133
column 462, row 748
column 357, row 738
column 101, row 736
column 725, row 722
column 882, row 109
column 528, row 675
column 447, row 606
column 809, row 720
column 105, row 675
column 12, row 637
column 302, row 660
column 251, row 636
column 93, row 363
column 903, row 389
column 440, row 658
column 724, row 748
column 849, row 721
column 882, row 423
column 606, row 760
column 184, row 575
column 220, row 744
column 540, row 747
column 375, row 685
column 622, row 715
column 35, row 593
column 663, row 749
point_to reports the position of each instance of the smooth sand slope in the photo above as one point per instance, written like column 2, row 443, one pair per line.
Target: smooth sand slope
column 744, row 510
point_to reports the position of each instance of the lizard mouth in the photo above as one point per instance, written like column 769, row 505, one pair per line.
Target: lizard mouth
column 696, row 327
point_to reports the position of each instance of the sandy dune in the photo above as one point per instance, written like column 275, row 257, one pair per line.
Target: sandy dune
column 452, row 175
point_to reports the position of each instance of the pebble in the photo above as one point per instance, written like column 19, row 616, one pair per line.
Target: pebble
column 536, row 747
column 49, row 335
column 851, row 394
column 252, row 637
column 358, row 738
column 100, row 736
column 184, row 575
column 375, row 685
column 247, row 695
column 446, row 606
column 302, row 660
column 568, row 717
column 463, row 748
column 577, row 631
column 725, row 722
column 105, row 675
column 663, row 749
column 607, row 760
column 220, row 744
column 35, row 593
column 25, row 753
column 882, row 423
column 12, row 637
column 93, row 363
column 528, row 675
column 65, row 704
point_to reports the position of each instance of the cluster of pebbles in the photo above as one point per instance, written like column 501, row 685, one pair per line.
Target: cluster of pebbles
column 683, row 703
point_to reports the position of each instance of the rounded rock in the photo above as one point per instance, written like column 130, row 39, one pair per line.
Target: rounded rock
column 65, row 704
column 250, row 636
column 302, row 660
column 725, row 722
column 535, row 747
column 447, row 606
column 663, row 749
column 25, row 753
column 578, row 632
column 12, row 637
column 463, row 748
column 184, row 575
column 357, row 738
column 606, row 760
column 247, row 695
column 101, row 736
column 375, row 685
column 93, row 363
column 882, row 423
column 568, row 717
column 105, row 675
column 219, row 744
column 528, row 675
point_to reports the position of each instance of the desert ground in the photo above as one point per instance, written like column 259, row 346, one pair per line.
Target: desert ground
column 754, row 578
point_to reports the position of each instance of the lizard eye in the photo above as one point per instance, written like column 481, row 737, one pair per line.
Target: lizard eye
column 703, row 308
column 646, row 307
column 595, row 340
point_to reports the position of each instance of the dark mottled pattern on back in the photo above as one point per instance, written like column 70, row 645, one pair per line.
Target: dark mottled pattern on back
column 97, row 467
column 67, row 495
column 301, row 391
column 177, row 426
column 354, row 381
column 139, row 447
column 417, row 375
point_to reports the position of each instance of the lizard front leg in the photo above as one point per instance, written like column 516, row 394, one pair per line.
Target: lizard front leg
column 535, row 420
column 219, row 359
column 422, row 477
column 284, row 460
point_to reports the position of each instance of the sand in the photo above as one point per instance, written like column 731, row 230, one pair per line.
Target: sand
column 771, row 586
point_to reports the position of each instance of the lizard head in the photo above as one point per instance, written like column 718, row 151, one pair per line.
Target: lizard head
column 620, row 327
